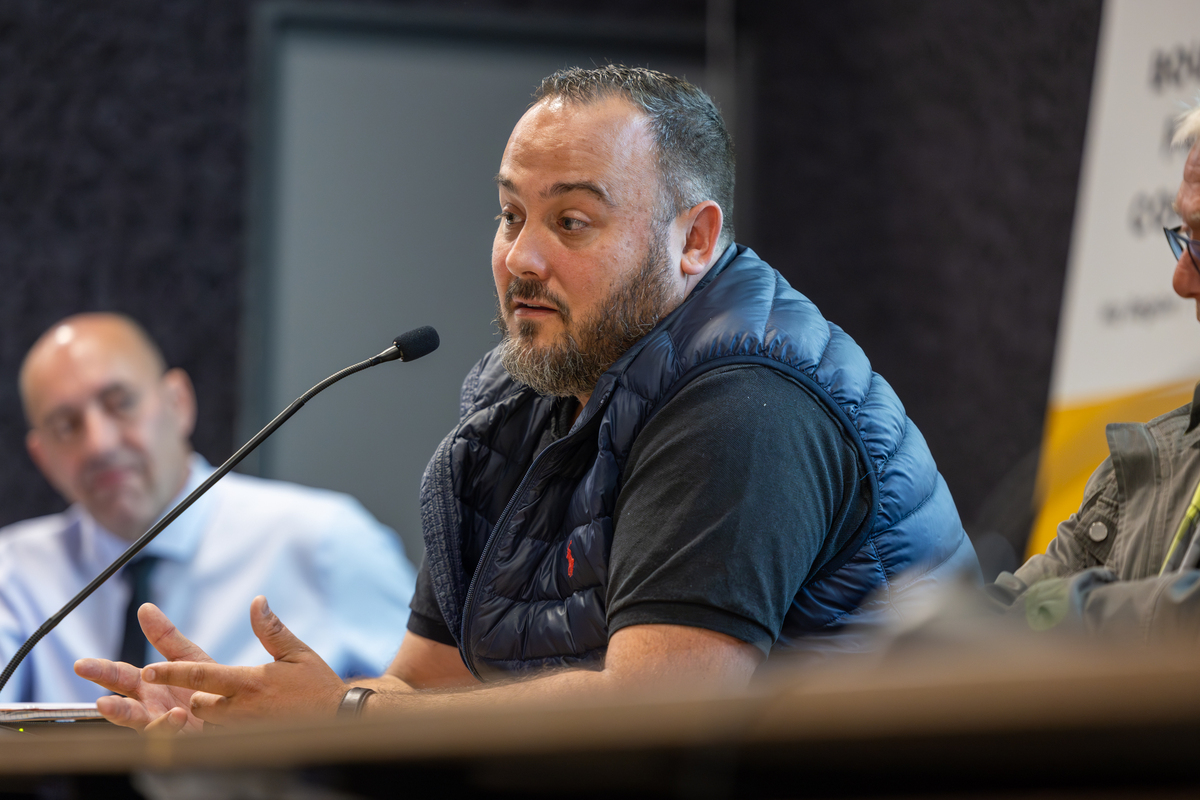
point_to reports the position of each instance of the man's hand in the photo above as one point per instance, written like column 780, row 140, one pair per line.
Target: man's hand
column 145, row 707
column 298, row 683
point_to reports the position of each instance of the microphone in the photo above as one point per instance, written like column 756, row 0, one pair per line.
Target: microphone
column 405, row 347
column 416, row 343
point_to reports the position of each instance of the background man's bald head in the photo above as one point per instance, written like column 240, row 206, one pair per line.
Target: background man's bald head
column 109, row 427
column 113, row 332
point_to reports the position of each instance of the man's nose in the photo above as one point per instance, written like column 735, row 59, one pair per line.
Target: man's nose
column 526, row 258
column 100, row 431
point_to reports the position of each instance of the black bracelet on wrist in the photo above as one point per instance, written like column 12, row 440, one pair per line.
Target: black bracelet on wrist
column 353, row 701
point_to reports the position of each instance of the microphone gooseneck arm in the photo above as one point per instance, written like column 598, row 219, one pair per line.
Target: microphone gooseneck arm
column 406, row 347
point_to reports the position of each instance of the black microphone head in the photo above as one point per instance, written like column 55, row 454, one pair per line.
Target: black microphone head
column 417, row 342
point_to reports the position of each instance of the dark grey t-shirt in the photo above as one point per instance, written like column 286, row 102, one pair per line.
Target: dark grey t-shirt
column 741, row 488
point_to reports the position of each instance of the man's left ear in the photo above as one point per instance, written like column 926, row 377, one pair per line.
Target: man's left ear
column 702, row 231
column 182, row 397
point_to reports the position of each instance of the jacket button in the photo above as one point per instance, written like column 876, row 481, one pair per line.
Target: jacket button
column 1098, row 532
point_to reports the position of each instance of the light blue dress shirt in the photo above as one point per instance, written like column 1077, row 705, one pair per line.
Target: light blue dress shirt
column 335, row 576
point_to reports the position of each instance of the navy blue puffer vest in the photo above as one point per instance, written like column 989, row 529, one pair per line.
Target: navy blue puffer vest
column 540, row 529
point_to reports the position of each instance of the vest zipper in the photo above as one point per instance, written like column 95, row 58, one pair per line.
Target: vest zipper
column 485, row 555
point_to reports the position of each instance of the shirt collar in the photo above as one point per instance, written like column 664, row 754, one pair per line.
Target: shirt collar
column 180, row 539
column 1194, row 419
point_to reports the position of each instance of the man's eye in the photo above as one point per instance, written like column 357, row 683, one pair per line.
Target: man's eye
column 507, row 217
column 120, row 403
column 62, row 429
column 572, row 224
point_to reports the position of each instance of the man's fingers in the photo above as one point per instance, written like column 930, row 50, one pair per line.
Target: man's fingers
column 166, row 638
column 212, row 708
column 281, row 643
column 207, row 676
column 116, row 676
column 169, row 723
column 123, row 711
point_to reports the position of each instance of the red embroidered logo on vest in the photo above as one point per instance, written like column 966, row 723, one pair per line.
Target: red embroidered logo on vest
column 570, row 561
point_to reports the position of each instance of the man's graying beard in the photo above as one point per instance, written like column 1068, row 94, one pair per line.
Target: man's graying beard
column 572, row 364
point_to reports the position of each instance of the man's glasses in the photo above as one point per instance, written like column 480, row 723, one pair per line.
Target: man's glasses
column 1179, row 243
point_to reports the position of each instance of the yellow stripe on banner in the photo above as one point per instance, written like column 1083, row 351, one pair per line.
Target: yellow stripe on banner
column 1074, row 444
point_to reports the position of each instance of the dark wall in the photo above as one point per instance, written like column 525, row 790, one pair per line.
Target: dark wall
column 122, row 171
column 915, row 174
column 918, row 164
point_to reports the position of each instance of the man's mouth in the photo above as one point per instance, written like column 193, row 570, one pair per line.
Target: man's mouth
column 108, row 479
column 110, row 474
column 532, row 308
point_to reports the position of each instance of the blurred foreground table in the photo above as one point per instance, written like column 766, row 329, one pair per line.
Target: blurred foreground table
column 931, row 722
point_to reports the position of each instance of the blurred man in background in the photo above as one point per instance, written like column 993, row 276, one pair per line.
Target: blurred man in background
column 110, row 428
column 1118, row 564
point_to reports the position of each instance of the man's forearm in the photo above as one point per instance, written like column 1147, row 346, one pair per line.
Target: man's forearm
column 646, row 659
column 396, row 696
column 384, row 684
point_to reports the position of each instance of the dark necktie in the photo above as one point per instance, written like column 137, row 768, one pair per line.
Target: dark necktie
column 133, row 644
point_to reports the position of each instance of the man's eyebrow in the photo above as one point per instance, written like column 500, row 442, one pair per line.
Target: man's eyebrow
column 1175, row 208
column 563, row 187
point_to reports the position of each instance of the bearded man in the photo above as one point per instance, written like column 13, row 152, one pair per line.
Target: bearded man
column 671, row 468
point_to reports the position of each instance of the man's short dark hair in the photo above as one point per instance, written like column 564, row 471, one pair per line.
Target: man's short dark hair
column 695, row 151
